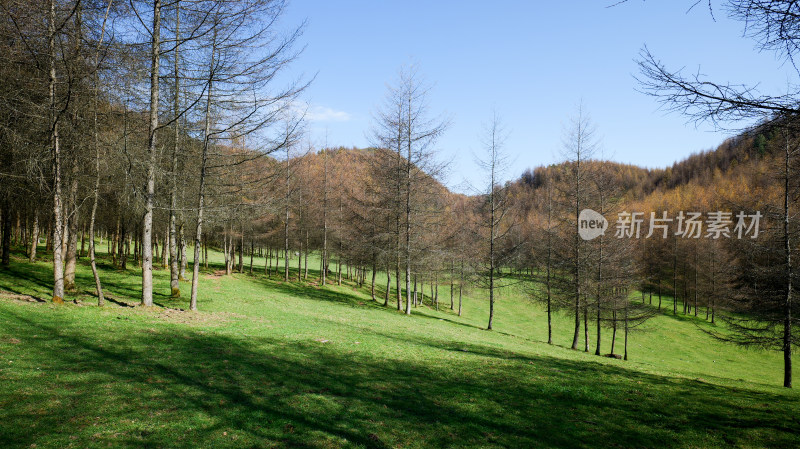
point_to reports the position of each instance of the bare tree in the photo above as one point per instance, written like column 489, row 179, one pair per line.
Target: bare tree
column 55, row 145
column 240, row 99
column 775, row 27
column 579, row 143
column 404, row 124
column 496, row 208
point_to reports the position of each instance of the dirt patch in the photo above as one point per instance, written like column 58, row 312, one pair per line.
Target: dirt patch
column 216, row 275
column 21, row 298
column 181, row 316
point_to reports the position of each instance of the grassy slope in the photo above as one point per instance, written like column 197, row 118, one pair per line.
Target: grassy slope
column 272, row 364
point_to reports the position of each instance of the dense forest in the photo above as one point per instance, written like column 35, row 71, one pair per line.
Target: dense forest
column 155, row 129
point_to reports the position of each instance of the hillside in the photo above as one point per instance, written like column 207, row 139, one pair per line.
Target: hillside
column 275, row 364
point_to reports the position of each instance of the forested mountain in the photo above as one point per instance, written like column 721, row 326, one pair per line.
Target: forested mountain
column 749, row 148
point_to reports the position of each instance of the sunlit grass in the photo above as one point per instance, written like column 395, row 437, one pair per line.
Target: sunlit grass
column 267, row 363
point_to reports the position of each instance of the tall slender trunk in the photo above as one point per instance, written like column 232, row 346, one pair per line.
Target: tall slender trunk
column 300, row 261
column 225, row 251
column 452, row 283
column 549, row 262
column 614, row 330
column 586, row 327
column 6, row 231
column 675, row 276
column 305, row 258
column 713, row 285
column 92, row 261
column 165, row 248
column 174, row 275
column 599, row 291
column 96, row 194
column 388, row 287
column 408, row 222
column 787, row 306
column 374, row 270
column 625, row 357
column 659, row 292
column 286, row 221
column 71, row 259
column 491, row 251
column 324, row 274
column 577, row 261
column 436, row 290
column 82, row 252
column 241, row 252
column 696, row 261
column 685, row 301
column 203, row 165
column 182, row 248
column 34, row 236
column 147, row 223
column 72, row 217
column 58, row 263
column 461, row 287
column 414, row 296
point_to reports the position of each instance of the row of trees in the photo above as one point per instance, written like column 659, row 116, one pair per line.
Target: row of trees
column 163, row 126
column 133, row 108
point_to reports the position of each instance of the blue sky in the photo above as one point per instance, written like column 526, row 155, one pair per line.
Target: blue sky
column 531, row 61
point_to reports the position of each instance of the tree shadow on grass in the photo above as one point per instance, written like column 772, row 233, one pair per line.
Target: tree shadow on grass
column 175, row 387
column 27, row 278
column 36, row 279
column 303, row 290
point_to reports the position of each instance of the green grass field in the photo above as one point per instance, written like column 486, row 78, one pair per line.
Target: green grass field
column 272, row 364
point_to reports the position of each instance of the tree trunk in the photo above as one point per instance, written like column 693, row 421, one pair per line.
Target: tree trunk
column 184, row 260
column 324, row 261
column 586, row 327
column 305, row 258
column 614, row 330
column 300, row 261
column 96, row 194
column 388, row 287
column 696, row 262
column 625, row 357
column 599, row 290
column 58, row 267
column 452, row 282
column 787, row 307
column 6, row 222
column 374, row 270
column 82, row 252
column 675, row 277
column 34, row 237
column 460, row 287
column 408, row 229
column 201, row 192
column 147, row 223
column 225, row 250
column 659, row 293
column 174, row 275
column 165, row 249
column 123, row 253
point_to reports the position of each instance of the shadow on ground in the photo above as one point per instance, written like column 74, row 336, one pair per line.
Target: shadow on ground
column 116, row 384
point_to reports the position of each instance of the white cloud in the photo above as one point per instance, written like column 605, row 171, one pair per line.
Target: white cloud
column 315, row 113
